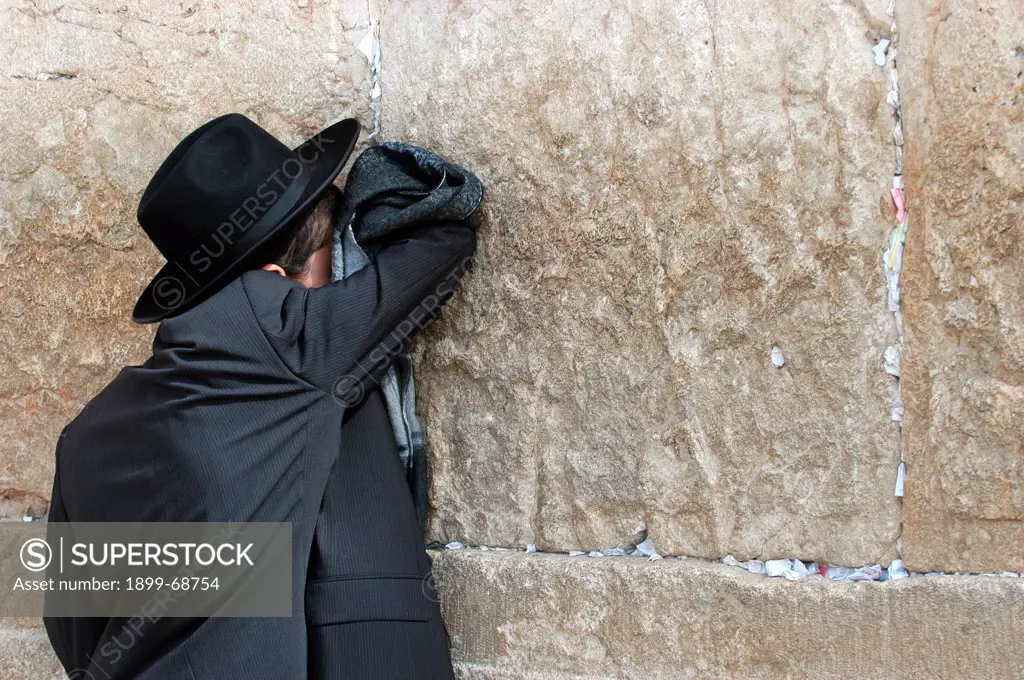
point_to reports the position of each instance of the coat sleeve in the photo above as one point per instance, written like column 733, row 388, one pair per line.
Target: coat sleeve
column 341, row 336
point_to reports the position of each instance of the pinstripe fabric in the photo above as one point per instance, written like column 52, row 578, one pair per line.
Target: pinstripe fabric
column 232, row 418
column 369, row 598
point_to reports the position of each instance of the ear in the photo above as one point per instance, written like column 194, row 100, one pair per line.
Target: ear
column 276, row 268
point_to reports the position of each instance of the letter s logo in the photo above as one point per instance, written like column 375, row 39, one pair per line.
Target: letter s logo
column 36, row 554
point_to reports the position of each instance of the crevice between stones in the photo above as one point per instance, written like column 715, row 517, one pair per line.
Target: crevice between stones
column 785, row 569
column 369, row 46
column 892, row 259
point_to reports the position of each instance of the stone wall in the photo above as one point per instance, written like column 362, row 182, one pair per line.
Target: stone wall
column 675, row 188
column 963, row 84
column 550, row 617
column 675, row 327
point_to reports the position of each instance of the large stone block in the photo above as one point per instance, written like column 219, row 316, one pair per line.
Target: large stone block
column 962, row 80
column 673, row 189
column 93, row 96
column 523, row 615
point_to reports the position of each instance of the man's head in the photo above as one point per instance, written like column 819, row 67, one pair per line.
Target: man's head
column 302, row 251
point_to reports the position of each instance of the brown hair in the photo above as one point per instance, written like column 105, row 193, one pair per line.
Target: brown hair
column 292, row 248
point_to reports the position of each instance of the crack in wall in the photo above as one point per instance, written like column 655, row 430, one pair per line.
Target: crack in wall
column 369, row 46
column 793, row 569
column 886, row 53
column 47, row 75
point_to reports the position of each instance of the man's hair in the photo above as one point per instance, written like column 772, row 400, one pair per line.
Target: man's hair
column 292, row 248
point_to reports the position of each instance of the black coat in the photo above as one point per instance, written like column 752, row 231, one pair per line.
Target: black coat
column 233, row 419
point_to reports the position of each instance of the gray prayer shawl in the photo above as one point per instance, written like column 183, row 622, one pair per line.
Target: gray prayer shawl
column 392, row 187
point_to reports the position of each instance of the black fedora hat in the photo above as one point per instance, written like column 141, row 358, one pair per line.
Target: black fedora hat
column 223, row 192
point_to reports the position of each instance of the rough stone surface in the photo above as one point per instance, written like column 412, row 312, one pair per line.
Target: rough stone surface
column 93, row 96
column 520, row 615
column 673, row 188
column 25, row 654
column 962, row 82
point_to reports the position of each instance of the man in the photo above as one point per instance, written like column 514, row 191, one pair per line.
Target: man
column 235, row 417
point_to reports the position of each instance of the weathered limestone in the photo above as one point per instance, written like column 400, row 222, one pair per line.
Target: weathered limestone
column 559, row 617
column 673, row 188
column 93, row 96
column 25, row 654
column 963, row 360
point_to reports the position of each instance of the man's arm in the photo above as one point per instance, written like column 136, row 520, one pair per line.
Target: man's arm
column 339, row 337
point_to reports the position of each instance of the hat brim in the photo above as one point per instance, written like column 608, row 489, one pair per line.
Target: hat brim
column 170, row 293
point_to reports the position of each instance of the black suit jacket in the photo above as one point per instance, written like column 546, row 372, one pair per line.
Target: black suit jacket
column 234, row 418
